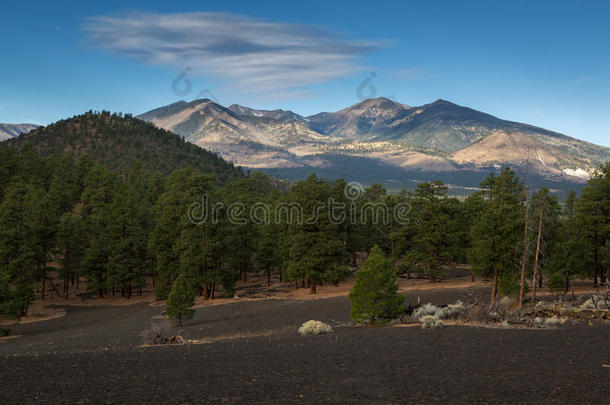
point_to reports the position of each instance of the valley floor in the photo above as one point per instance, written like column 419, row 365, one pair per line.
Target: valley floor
column 252, row 353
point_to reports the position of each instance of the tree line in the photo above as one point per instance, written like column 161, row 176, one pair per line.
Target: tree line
column 64, row 221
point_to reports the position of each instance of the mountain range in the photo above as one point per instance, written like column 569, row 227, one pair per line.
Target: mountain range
column 381, row 140
column 8, row 131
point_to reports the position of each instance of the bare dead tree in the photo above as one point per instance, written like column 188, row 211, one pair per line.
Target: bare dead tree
column 536, row 260
column 525, row 238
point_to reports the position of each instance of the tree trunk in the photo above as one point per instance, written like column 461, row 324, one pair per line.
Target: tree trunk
column 524, row 260
column 128, row 289
column 269, row 278
column 494, row 289
column 212, row 290
column 535, row 279
column 313, row 286
column 596, row 263
column 44, row 283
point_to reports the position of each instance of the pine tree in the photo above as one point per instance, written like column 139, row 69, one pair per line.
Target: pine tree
column 374, row 296
column 181, row 300
column 497, row 234
column 71, row 239
column 19, row 253
column 593, row 209
column 316, row 254
column 571, row 251
column 127, row 235
column 182, row 189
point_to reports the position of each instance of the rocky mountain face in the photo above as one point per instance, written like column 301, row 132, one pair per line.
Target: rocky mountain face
column 8, row 131
column 442, row 138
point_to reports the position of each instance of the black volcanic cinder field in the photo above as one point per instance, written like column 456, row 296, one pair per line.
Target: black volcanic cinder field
column 255, row 355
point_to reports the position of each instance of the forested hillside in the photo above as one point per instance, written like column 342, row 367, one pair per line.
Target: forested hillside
column 65, row 221
column 117, row 141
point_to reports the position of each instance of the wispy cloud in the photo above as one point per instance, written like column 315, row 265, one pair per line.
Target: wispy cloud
column 579, row 81
column 251, row 54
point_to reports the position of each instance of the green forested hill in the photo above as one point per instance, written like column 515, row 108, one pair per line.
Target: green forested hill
column 117, row 141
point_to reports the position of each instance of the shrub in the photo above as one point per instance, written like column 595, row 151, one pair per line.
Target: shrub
column 314, row 328
column 477, row 313
column 553, row 321
column 430, row 321
column 596, row 302
column 451, row 311
column 181, row 300
column 454, row 311
column 507, row 301
column 426, row 310
column 556, row 283
column 5, row 332
column 160, row 333
column 374, row 297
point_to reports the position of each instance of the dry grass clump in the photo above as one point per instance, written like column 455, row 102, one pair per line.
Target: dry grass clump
column 314, row 328
column 161, row 333
column 456, row 310
column 596, row 302
column 430, row 321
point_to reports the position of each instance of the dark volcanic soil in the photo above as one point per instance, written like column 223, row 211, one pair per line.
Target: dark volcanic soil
column 92, row 356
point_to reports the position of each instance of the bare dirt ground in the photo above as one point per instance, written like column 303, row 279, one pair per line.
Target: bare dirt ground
column 249, row 351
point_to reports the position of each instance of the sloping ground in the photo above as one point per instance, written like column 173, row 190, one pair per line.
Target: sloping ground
column 118, row 141
column 543, row 153
column 91, row 355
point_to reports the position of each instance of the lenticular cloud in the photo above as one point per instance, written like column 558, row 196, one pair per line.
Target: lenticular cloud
column 252, row 54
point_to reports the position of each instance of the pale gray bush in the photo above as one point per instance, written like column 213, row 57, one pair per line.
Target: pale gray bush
column 430, row 321
column 314, row 328
column 426, row 310
column 596, row 302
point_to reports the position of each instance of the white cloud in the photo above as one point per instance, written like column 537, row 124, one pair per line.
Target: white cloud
column 250, row 54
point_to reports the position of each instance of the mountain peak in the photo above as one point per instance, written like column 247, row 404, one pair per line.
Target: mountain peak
column 280, row 115
column 441, row 101
column 378, row 102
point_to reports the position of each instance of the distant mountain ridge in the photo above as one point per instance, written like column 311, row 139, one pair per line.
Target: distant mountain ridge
column 8, row 131
column 436, row 137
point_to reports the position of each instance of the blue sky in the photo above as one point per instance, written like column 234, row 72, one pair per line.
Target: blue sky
column 542, row 63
